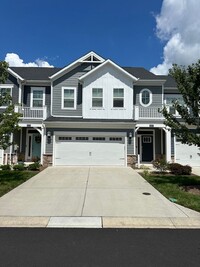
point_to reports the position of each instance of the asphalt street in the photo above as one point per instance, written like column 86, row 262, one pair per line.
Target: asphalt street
column 99, row 247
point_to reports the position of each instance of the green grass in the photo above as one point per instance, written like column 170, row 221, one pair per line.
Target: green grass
column 11, row 179
column 170, row 187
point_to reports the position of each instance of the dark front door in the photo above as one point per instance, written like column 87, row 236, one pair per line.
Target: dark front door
column 147, row 148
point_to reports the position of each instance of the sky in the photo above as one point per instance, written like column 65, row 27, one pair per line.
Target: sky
column 150, row 34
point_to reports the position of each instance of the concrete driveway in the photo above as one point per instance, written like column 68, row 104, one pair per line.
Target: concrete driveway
column 89, row 191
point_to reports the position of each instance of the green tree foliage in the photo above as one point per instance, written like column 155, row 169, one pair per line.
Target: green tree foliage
column 188, row 84
column 8, row 118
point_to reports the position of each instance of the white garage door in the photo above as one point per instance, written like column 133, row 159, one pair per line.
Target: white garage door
column 89, row 150
column 187, row 154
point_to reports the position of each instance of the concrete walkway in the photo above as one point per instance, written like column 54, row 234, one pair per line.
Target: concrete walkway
column 91, row 197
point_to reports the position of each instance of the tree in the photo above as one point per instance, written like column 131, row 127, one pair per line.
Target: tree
column 188, row 84
column 8, row 118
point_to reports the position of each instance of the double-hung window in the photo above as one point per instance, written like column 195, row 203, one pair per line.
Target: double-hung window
column 97, row 97
column 5, row 90
column 170, row 99
column 118, row 97
column 68, row 98
column 37, row 97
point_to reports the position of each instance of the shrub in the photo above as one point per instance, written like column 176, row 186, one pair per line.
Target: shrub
column 6, row 167
column 19, row 167
column 160, row 164
column 34, row 167
column 178, row 169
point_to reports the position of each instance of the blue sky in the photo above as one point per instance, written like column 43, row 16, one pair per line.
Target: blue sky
column 60, row 31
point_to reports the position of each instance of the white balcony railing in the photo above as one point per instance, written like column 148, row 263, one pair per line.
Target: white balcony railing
column 147, row 113
column 32, row 113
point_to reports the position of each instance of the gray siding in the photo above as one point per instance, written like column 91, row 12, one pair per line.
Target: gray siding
column 156, row 95
column 158, row 141
column 49, row 145
column 69, row 79
column 27, row 95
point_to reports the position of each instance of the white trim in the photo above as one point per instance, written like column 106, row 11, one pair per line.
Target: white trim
column 20, row 93
column 31, row 96
column 108, row 134
column 102, row 107
column 118, row 98
column 150, row 97
column 125, row 151
column 161, row 137
column 20, row 147
column 15, row 74
column 108, row 61
column 174, row 148
column 53, row 154
column 75, row 98
column 76, row 63
column 27, row 144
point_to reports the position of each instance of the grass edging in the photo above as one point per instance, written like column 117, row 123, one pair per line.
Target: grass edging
column 170, row 186
column 11, row 179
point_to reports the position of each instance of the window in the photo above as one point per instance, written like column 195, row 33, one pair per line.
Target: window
column 99, row 138
column 145, row 97
column 68, row 98
column 147, row 139
column 97, row 97
column 170, row 98
column 118, row 97
column 64, row 138
column 5, row 90
column 37, row 97
column 115, row 138
column 82, row 138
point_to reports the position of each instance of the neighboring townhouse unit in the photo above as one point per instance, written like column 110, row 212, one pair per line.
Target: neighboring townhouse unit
column 93, row 112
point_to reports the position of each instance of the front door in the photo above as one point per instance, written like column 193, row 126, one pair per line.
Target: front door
column 147, row 148
column 33, row 146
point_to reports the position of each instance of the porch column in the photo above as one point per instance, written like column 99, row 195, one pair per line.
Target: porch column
column 168, row 144
column 42, row 145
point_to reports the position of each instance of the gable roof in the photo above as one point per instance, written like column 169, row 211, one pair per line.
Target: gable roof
column 170, row 81
column 35, row 73
column 108, row 61
column 142, row 73
column 91, row 57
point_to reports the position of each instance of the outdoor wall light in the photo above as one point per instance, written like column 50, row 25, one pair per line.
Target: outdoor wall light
column 130, row 135
column 49, row 135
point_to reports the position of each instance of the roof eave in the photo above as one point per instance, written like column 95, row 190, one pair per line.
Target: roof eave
column 15, row 74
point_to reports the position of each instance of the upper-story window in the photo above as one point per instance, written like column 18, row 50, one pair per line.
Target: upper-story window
column 68, row 98
column 37, row 97
column 118, row 97
column 4, row 91
column 170, row 99
column 145, row 97
column 97, row 97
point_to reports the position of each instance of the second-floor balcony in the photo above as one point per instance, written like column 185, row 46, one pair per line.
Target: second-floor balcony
column 30, row 113
column 144, row 113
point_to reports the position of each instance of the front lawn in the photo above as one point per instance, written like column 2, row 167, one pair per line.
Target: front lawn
column 11, row 179
column 172, row 186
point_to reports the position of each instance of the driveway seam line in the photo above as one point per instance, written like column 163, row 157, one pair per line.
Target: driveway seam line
column 85, row 192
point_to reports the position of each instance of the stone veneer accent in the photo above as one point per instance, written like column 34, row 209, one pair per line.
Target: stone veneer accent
column 131, row 160
column 47, row 160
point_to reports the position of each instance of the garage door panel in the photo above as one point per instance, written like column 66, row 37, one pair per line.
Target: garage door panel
column 186, row 154
column 89, row 153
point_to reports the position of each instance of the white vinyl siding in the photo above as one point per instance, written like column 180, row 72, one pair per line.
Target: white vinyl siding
column 37, row 97
column 68, row 98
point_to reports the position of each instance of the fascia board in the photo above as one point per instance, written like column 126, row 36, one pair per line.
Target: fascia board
column 150, row 82
column 74, row 64
column 112, row 64
column 15, row 74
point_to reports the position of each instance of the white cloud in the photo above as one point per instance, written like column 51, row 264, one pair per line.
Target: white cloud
column 15, row 61
column 178, row 24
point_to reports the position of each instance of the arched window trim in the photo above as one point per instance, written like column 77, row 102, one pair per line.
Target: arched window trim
column 150, row 97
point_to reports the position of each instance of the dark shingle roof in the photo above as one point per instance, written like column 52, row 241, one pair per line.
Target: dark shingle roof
column 141, row 73
column 170, row 82
column 35, row 73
